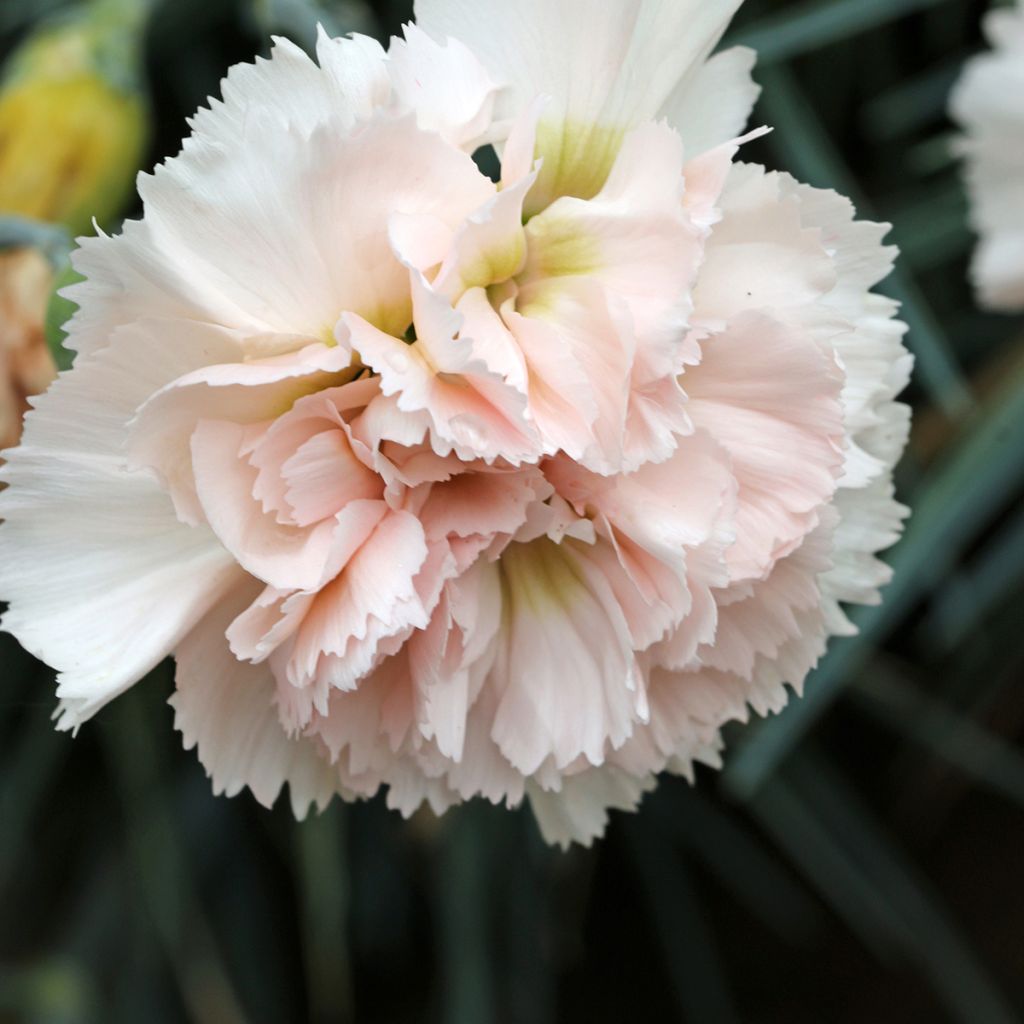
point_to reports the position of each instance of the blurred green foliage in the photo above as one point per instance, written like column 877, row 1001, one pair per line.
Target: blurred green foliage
column 858, row 858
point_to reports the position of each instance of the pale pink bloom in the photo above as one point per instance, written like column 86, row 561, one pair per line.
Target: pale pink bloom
column 988, row 103
column 456, row 487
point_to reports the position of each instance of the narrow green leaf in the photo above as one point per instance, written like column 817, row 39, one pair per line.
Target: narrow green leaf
column 943, row 953
column 298, row 19
column 813, row 24
column 35, row 755
column 952, row 736
column 464, row 887
column 912, row 103
column 742, row 865
column 931, row 229
column 528, row 992
column 55, row 991
column 322, row 867
column 828, row 866
column 165, row 875
column 698, row 977
column 969, row 596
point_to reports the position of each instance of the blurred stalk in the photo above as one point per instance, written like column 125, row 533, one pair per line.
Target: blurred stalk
column 53, row 991
column 164, row 874
column 29, row 774
column 528, row 986
column 323, row 870
column 739, row 861
column 971, row 593
column 953, row 737
column 16, row 14
column 464, row 880
column 913, row 102
column 696, row 972
column 929, row 937
column 930, row 226
column 811, row 25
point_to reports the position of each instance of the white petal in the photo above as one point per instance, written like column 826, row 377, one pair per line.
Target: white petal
column 350, row 83
column 566, row 670
column 578, row 812
column 714, row 105
column 604, row 75
column 102, row 578
column 246, row 236
column 225, row 708
column 445, row 85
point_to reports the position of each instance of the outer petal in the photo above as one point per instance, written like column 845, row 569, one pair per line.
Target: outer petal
column 770, row 395
column 101, row 577
column 566, row 671
column 365, row 729
column 714, row 105
column 350, row 83
column 762, row 242
column 604, row 80
column 445, row 85
column 225, row 708
column 578, row 811
column 246, row 235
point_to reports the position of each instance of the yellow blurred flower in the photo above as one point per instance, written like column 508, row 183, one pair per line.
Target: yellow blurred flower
column 72, row 118
column 26, row 366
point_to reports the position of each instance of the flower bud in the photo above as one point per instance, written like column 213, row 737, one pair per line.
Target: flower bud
column 26, row 366
column 72, row 117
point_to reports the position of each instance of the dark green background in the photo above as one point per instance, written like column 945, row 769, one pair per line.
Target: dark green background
column 858, row 861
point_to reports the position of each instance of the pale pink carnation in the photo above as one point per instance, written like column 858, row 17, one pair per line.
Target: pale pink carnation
column 988, row 103
column 454, row 487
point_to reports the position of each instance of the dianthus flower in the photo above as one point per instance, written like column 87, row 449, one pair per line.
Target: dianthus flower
column 454, row 486
column 988, row 102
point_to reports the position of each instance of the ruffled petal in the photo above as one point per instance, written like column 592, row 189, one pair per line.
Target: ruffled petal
column 601, row 82
column 771, row 396
column 565, row 670
column 445, row 85
column 578, row 811
column 240, row 393
column 102, row 578
column 225, row 709
column 713, row 105
column 579, row 347
column 245, row 236
column 472, row 410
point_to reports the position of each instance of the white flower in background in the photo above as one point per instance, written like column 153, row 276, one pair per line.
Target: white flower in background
column 988, row 103
column 459, row 487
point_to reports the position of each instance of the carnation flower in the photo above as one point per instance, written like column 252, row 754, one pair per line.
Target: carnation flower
column 988, row 103
column 460, row 487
